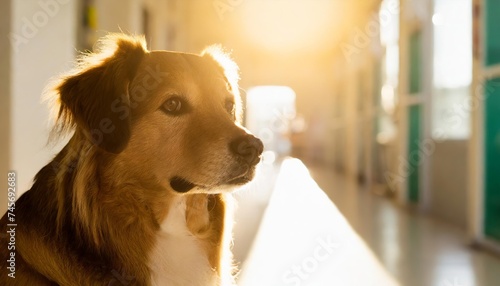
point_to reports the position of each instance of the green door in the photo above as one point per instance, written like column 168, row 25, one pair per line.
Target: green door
column 492, row 124
column 414, row 117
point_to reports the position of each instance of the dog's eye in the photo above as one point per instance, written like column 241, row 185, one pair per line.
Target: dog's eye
column 229, row 107
column 173, row 105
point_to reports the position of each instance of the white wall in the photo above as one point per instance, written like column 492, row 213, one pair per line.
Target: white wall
column 159, row 23
column 48, row 37
column 448, row 196
column 113, row 15
column 129, row 19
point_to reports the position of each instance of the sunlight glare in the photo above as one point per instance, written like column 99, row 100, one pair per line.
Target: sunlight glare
column 388, row 98
column 290, row 24
column 269, row 113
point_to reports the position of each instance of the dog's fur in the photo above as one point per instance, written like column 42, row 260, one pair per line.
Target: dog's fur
column 138, row 196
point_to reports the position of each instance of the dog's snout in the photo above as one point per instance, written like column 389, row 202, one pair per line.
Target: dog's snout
column 247, row 147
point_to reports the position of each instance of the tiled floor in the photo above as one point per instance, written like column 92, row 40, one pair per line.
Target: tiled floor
column 416, row 249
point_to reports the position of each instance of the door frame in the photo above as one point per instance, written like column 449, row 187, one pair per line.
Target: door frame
column 476, row 190
column 409, row 23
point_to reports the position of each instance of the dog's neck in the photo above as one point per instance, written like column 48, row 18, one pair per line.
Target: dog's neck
column 179, row 257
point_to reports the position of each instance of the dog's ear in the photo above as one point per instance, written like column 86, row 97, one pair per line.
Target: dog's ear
column 89, row 97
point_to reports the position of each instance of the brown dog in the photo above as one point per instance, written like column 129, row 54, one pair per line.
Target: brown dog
column 140, row 194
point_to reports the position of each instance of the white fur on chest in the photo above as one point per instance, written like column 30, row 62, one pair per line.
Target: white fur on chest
column 177, row 257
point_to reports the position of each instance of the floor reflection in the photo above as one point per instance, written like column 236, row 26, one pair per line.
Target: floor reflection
column 416, row 249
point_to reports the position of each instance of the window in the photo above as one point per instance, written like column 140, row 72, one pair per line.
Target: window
column 452, row 68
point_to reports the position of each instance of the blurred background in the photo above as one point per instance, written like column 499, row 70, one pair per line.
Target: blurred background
column 393, row 106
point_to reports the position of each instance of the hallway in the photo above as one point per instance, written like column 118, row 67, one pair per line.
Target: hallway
column 416, row 249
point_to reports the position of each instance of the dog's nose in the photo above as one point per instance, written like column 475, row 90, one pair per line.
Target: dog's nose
column 247, row 147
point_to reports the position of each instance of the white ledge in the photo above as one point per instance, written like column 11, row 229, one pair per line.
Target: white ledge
column 304, row 240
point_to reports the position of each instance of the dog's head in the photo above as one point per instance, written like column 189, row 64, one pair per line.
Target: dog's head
column 164, row 117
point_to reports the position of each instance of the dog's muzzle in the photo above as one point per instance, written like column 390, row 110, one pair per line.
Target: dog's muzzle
column 246, row 149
